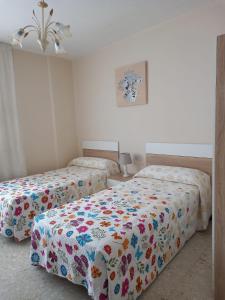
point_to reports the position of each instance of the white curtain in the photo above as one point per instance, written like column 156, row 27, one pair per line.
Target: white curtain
column 12, row 162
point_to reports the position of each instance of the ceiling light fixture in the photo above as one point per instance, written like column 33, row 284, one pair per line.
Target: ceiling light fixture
column 46, row 31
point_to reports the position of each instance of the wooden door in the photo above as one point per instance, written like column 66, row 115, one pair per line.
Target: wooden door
column 219, row 215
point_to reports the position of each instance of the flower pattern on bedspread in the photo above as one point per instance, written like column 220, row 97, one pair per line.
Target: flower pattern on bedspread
column 21, row 199
column 117, row 241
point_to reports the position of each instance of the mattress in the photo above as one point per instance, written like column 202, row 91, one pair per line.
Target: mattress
column 117, row 241
column 21, row 199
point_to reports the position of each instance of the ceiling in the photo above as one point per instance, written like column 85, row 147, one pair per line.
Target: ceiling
column 94, row 23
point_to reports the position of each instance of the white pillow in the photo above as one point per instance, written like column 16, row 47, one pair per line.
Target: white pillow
column 186, row 176
column 110, row 166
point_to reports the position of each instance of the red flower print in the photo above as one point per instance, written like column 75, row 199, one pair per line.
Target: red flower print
column 27, row 232
column 49, row 206
column 116, row 236
column 60, row 231
column 18, row 211
column 82, row 229
column 105, row 224
column 108, row 249
column 125, row 244
column 37, row 234
column 95, row 272
column 34, row 245
column 132, row 273
column 44, row 199
column 75, row 247
column 129, row 258
column 125, row 287
column 52, row 256
column 26, row 205
column 148, row 253
column 150, row 227
column 153, row 259
column 139, row 284
column 103, row 297
column 32, row 214
column 141, row 228
column 69, row 249
column 151, row 239
column 90, row 223
column 112, row 275
column 107, row 212
column 120, row 212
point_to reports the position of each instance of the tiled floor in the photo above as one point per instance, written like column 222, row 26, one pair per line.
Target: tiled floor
column 187, row 277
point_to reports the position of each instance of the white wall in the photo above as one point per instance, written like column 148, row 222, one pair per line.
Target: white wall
column 181, row 57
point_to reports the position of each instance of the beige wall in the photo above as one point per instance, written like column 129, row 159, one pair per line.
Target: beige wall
column 181, row 57
column 44, row 90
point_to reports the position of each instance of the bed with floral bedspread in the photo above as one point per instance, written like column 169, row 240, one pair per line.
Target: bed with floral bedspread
column 21, row 199
column 117, row 241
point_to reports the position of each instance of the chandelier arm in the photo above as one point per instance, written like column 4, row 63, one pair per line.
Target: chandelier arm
column 29, row 26
column 48, row 20
column 51, row 23
column 56, row 35
column 52, row 35
column 37, row 22
column 34, row 17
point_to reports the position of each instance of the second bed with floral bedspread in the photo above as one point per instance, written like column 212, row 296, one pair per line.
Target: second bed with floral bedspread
column 21, row 199
column 116, row 242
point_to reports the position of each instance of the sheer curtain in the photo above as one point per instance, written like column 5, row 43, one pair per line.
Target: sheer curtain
column 12, row 162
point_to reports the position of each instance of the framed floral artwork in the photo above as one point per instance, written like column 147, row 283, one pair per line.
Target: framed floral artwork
column 131, row 84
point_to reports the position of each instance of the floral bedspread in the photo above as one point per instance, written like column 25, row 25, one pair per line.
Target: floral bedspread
column 21, row 199
column 117, row 241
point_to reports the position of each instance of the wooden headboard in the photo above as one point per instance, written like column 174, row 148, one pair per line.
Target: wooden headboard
column 103, row 149
column 196, row 156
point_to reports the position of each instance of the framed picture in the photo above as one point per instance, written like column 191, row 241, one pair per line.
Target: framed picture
column 131, row 84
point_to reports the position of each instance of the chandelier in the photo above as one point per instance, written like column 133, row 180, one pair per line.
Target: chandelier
column 47, row 31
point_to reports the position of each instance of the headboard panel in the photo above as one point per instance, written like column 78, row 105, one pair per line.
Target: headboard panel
column 103, row 149
column 200, row 156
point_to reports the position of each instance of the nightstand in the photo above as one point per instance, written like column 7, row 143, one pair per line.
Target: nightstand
column 116, row 179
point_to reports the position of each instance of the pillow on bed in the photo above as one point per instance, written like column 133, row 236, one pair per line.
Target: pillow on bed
column 186, row 176
column 110, row 166
column 175, row 174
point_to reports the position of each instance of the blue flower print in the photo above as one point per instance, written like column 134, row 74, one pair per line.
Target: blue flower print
column 167, row 210
column 63, row 270
column 34, row 196
column 138, row 253
column 8, row 232
column 69, row 233
column 35, row 258
column 160, row 262
column 179, row 214
column 131, row 209
column 155, row 224
column 117, row 289
column 80, row 183
column 39, row 218
column 83, row 239
column 91, row 255
column 80, row 213
column 134, row 240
